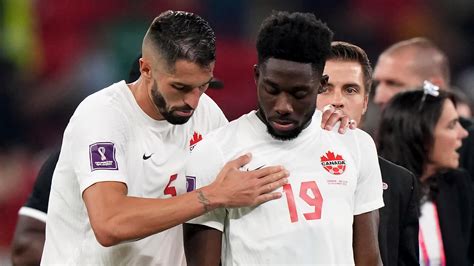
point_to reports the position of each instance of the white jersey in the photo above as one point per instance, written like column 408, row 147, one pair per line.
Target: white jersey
column 110, row 138
column 332, row 178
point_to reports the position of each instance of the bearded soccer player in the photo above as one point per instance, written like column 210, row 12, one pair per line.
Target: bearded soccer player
column 116, row 197
column 329, row 210
column 348, row 89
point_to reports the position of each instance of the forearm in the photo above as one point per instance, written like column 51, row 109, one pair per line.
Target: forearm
column 27, row 249
column 202, row 245
column 129, row 218
column 365, row 239
column 28, row 241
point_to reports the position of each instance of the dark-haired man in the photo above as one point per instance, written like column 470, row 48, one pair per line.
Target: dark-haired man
column 116, row 197
column 328, row 214
column 348, row 90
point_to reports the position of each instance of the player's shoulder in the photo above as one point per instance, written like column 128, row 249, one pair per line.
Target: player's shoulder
column 110, row 98
column 227, row 136
column 351, row 137
column 229, row 130
column 207, row 106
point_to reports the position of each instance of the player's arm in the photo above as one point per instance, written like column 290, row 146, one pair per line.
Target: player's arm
column 368, row 199
column 28, row 242
column 202, row 245
column 116, row 217
column 365, row 239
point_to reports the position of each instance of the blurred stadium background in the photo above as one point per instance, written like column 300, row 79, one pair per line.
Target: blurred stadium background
column 53, row 53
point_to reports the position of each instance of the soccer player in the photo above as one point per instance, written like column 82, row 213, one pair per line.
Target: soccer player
column 348, row 89
column 115, row 196
column 328, row 214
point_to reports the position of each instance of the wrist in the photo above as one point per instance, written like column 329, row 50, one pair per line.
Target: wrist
column 209, row 198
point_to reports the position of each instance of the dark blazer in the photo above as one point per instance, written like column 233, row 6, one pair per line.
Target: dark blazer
column 398, row 228
column 466, row 152
column 455, row 211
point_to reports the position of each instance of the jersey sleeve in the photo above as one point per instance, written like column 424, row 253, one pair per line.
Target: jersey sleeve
column 37, row 204
column 368, row 194
column 96, row 135
column 204, row 164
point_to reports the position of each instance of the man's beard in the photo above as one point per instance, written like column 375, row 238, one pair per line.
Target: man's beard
column 165, row 111
column 286, row 135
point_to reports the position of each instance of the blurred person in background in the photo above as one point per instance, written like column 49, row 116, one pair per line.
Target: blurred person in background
column 420, row 131
column 348, row 89
column 463, row 104
column 28, row 240
column 404, row 66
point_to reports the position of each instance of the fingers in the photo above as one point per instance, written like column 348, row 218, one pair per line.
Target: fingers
column 266, row 171
column 273, row 181
column 336, row 116
column 267, row 197
column 274, row 178
column 327, row 112
column 344, row 124
column 352, row 124
column 240, row 161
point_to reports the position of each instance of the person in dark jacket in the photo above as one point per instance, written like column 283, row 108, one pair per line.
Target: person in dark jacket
column 420, row 130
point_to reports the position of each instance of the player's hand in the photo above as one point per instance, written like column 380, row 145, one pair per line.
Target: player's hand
column 236, row 188
column 332, row 115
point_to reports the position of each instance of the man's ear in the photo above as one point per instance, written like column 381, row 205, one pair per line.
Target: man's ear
column 256, row 73
column 145, row 68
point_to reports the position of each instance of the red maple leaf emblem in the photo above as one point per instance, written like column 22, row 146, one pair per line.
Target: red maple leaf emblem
column 332, row 163
column 195, row 139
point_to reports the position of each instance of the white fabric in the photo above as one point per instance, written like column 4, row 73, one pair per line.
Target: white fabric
column 265, row 235
column 33, row 213
column 112, row 115
column 431, row 234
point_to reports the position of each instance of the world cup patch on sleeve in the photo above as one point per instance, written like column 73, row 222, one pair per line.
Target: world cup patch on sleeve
column 102, row 156
column 190, row 183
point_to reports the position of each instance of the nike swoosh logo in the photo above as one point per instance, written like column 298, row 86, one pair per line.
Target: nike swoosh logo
column 147, row 157
column 260, row 167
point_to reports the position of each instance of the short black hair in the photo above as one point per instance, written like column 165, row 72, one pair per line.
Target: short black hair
column 406, row 132
column 183, row 35
column 349, row 52
column 299, row 37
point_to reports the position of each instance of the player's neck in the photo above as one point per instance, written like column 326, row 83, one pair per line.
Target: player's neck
column 141, row 92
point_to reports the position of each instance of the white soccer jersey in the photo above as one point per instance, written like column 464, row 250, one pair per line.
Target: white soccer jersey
column 332, row 178
column 109, row 138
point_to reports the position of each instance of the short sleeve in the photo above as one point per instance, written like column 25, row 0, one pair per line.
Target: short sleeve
column 369, row 192
column 37, row 204
column 97, row 134
column 205, row 162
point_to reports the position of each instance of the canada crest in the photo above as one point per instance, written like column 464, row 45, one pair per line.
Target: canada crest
column 194, row 140
column 333, row 163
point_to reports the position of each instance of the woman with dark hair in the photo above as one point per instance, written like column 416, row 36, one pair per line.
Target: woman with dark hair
column 420, row 131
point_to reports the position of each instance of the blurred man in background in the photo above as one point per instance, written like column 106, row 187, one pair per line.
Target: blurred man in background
column 404, row 66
